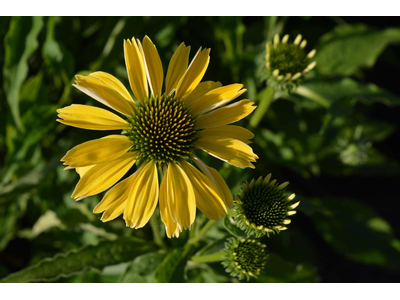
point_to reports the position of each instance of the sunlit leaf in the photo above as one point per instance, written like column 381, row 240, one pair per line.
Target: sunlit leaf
column 76, row 261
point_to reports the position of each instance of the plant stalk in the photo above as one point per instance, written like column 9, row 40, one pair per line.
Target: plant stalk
column 208, row 258
column 265, row 101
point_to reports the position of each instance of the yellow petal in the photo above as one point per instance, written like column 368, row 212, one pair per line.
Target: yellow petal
column 154, row 67
column 230, row 131
column 83, row 170
column 226, row 115
column 114, row 201
column 106, row 89
column 207, row 198
column 97, row 151
column 89, row 117
column 216, row 98
column 222, row 187
column 180, row 196
column 171, row 227
column 103, row 176
column 136, row 69
column 176, row 68
column 218, row 181
column 143, row 196
column 201, row 89
column 194, row 74
column 229, row 150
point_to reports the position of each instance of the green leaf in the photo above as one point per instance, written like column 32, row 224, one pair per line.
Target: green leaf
column 279, row 270
column 8, row 219
column 77, row 261
column 172, row 268
column 20, row 43
column 143, row 268
column 347, row 48
column 344, row 93
column 27, row 182
column 354, row 230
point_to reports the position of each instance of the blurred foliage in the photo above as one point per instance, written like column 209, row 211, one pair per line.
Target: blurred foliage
column 326, row 131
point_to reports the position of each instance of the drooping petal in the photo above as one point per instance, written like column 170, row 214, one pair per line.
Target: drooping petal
column 216, row 98
column 97, row 151
column 171, row 228
column 103, row 176
column 114, row 201
column 176, row 68
column 155, row 73
column 201, row 89
column 226, row 115
column 207, row 198
column 180, row 196
column 106, row 89
column 215, row 177
column 136, row 69
column 222, row 187
column 143, row 196
column 89, row 117
column 194, row 74
column 230, row 131
column 229, row 150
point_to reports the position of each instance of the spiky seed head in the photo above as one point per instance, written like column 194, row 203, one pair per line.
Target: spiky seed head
column 287, row 62
column 244, row 258
column 162, row 129
column 263, row 207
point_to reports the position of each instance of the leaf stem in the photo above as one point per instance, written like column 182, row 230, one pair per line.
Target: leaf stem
column 208, row 258
column 306, row 92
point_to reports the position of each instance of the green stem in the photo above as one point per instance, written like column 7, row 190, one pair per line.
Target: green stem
column 202, row 232
column 50, row 28
column 208, row 258
column 155, row 226
column 266, row 99
column 305, row 92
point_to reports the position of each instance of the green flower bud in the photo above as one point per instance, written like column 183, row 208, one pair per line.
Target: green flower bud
column 244, row 258
column 287, row 62
column 263, row 207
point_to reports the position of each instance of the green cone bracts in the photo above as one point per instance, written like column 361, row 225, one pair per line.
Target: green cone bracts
column 287, row 62
column 263, row 207
column 244, row 258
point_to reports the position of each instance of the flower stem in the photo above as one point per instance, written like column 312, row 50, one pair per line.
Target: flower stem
column 306, row 92
column 266, row 97
column 202, row 232
column 208, row 258
column 155, row 226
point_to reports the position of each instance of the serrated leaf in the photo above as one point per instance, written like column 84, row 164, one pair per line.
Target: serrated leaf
column 143, row 268
column 347, row 48
column 20, row 43
column 77, row 261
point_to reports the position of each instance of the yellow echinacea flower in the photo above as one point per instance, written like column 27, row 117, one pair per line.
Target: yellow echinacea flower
column 160, row 130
